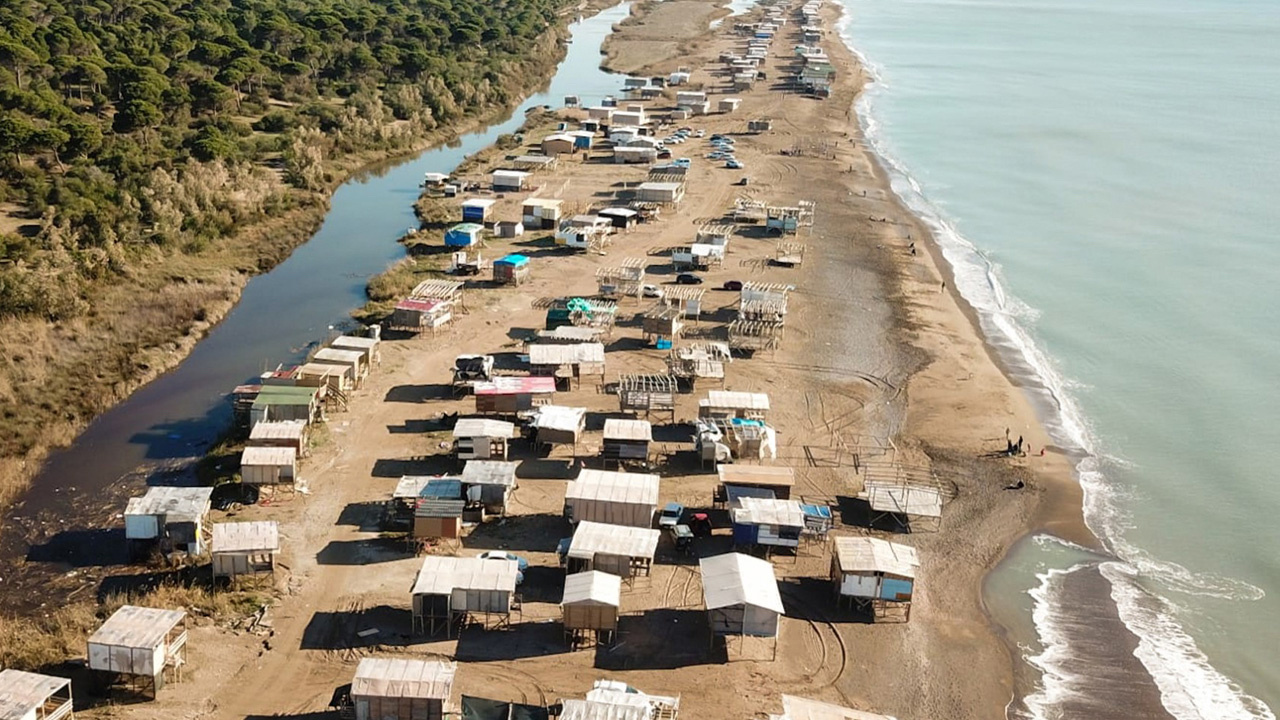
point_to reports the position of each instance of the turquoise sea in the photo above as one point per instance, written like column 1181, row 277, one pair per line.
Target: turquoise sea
column 1104, row 177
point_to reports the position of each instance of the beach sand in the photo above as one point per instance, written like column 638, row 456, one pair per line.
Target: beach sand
column 878, row 361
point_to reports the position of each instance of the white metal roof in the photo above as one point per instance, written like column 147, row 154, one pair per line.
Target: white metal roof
column 479, row 202
column 559, row 417
column 442, row 575
column 355, row 341
column 22, row 692
column 736, row 400
column 867, row 554
column 592, row 538
column 797, row 708
column 571, row 332
column 410, row 485
column 344, row 357
column 278, row 429
column 567, row 354
column 768, row 511
column 239, row 537
column 511, row 174
column 756, row 475
column 137, row 627
column 256, row 455
column 483, row 427
column 404, row 678
column 619, row 429
column 180, row 504
column 489, row 472
column 593, row 586
column 575, row 709
column 618, row 487
column 901, row 497
column 659, row 186
column 737, row 579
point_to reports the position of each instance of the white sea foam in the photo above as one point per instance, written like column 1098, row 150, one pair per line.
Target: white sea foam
column 1190, row 688
column 1056, row 684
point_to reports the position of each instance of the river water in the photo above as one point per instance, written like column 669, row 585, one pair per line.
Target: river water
column 177, row 416
column 1102, row 176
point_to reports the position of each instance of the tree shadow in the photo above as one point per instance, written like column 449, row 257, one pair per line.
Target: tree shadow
column 661, row 639
column 381, row 625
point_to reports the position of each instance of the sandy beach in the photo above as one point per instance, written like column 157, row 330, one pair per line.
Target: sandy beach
column 880, row 360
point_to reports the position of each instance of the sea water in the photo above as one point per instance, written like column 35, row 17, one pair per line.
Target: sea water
column 1104, row 177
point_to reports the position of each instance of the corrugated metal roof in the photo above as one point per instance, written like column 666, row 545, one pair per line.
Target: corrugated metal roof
column 439, row 508
column 355, row 341
column 442, row 575
column 736, row 400
column 256, row 536
column 137, row 627
column 573, row 709
column 737, row 579
column 768, row 511
column 22, row 692
column 338, row 355
column 567, row 354
column 591, row 539
column 756, row 475
column 404, row 678
column 592, row 586
column 181, row 504
column 489, row 472
column 516, row 385
column 483, row 427
column 797, row 708
column 255, row 455
column 559, row 417
column 617, row 487
column 278, row 430
column 619, row 429
column 867, row 554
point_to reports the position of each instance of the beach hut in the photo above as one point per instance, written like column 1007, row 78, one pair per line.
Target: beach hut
column 767, row 522
column 481, row 438
column 402, row 689
column 742, row 597
column 434, row 180
column 415, row 315
column 723, row 405
column 634, row 155
column 648, row 394
column 678, row 78
column 326, row 377
column 626, row 440
column 759, row 125
column 728, row 105
column 281, row 434
column 616, row 498
column 508, row 228
column 602, row 113
column 797, row 708
column 874, row 573
column 615, row 700
column 509, row 180
column 369, row 347
column 589, row 607
column 412, row 489
column 513, row 395
column 463, row 235
column 352, row 362
column 617, row 549
column 914, row 503
column 489, row 483
column 630, row 117
column 559, row 425
column 569, row 334
column 558, row 144
column 171, row 518
column 667, row 193
column 244, row 548
column 453, row 589
column 476, row 210
column 620, row 218
column 582, row 139
column 775, row 480
column 281, row 402
column 268, row 465
column 145, row 647
column 661, row 324
column 689, row 97
column 541, row 213
column 32, row 696
column 511, row 269
column 567, row 362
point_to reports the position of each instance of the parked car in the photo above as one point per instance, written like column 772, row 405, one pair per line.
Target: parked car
column 734, row 165
column 734, row 285
column 651, row 291
column 701, row 133
column 688, row 279
column 670, row 515
column 683, row 162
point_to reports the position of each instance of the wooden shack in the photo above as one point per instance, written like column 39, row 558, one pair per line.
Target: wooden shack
column 370, row 347
column 741, row 596
column 489, row 483
column 402, row 689
column 777, row 480
column 615, row 498
column 565, row 362
column 590, row 605
column 647, row 394
column 438, row 519
column 875, row 574
column 281, row 402
column 665, row 193
column 170, row 518
column 626, row 441
column 352, row 361
column 244, row 548
column 415, row 314
column 558, row 144
column 281, row 434
column 509, row 180
column 724, row 405
column 329, row 378
column 617, row 549
column 559, row 425
column 661, row 325
column 449, row 590
column 477, row 210
column 620, row 218
column 913, row 504
column 144, row 647
column 268, row 465
column 541, row 213
column 513, row 395
column 481, row 439
column 508, row 228
column 32, row 696
column 511, row 269
column 767, row 522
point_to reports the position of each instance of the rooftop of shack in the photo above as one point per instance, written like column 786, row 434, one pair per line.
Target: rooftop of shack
column 756, row 475
column 439, row 508
column 257, row 455
column 489, row 472
column 483, row 427
column 505, row 385
column 278, row 430
column 404, row 678
column 512, row 259
column 592, row 538
column 768, row 511
column 22, row 692
column 137, row 627
column 442, row 575
column 738, row 579
column 571, row 332
column 355, row 341
column 618, row 487
column 559, row 417
column 187, row 504
column 593, row 587
column 566, row 354
column 868, row 554
column 427, row 486
column 479, row 202
column 633, row 430
column 902, row 497
column 345, row 356
column 736, row 400
column 245, row 537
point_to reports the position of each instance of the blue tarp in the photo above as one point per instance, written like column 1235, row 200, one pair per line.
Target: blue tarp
column 442, row 488
column 513, row 259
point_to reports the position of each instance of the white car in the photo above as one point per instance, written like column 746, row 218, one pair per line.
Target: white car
column 651, row 291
